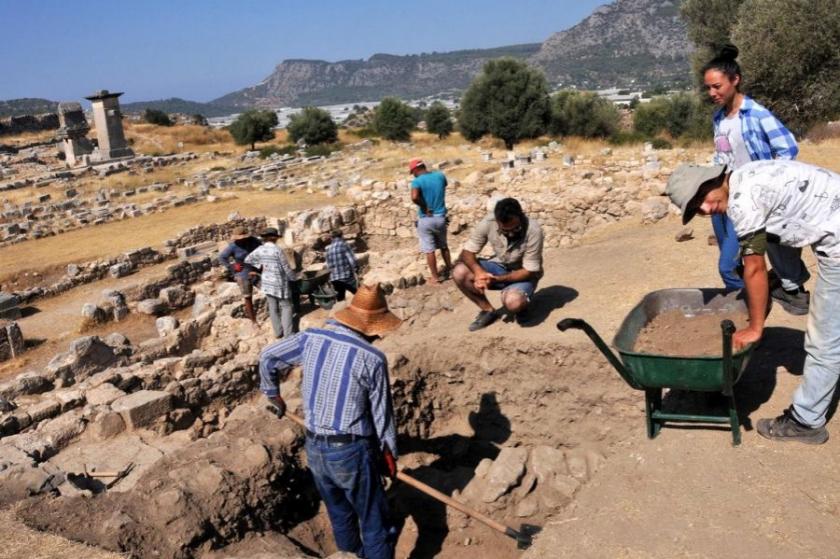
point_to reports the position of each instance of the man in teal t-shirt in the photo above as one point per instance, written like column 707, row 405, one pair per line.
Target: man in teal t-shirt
column 428, row 192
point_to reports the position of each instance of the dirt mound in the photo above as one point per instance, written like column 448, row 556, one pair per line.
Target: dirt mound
column 674, row 333
column 213, row 491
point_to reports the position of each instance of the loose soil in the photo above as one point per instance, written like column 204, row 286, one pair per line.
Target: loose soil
column 676, row 334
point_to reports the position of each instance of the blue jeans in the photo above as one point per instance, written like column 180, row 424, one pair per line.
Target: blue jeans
column 786, row 261
column 822, row 347
column 348, row 478
column 527, row 288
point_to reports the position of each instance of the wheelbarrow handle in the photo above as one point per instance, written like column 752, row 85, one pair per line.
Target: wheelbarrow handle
column 576, row 323
column 580, row 324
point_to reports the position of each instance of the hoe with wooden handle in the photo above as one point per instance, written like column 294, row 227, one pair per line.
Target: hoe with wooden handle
column 523, row 536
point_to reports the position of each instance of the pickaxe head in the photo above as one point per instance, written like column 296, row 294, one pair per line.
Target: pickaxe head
column 524, row 536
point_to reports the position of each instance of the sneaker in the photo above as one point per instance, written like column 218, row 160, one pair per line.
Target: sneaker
column 787, row 428
column 523, row 317
column 483, row 320
column 794, row 302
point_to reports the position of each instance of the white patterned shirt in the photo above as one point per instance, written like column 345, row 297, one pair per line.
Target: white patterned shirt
column 276, row 272
column 797, row 202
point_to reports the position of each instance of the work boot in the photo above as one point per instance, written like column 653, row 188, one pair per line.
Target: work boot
column 483, row 320
column 794, row 302
column 787, row 428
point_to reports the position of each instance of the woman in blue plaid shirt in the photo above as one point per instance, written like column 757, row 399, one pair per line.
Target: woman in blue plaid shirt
column 746, row 131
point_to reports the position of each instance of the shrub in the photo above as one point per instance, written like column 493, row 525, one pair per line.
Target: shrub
column 582, row 114
column 394, row 120
column 661, row 143
column 509, row 100
column 313, row 126
column 268, row 151
column 622, row 138
column 322, row 149
column 682, row 115
column 439, row 120
column 253, row 126
column 154, row 116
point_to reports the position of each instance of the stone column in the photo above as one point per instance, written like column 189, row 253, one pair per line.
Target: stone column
column 109, row 129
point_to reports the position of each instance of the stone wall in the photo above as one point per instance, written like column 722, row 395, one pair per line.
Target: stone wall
column 78, row 274
column 566, row 205
column 28, row 123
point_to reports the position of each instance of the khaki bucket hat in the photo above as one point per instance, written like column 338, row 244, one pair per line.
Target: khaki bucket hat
column 685, row 182
column 368, row 312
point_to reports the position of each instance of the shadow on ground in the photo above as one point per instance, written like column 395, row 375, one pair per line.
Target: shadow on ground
column 545, row 301
column 779, row 347
column 458, row 457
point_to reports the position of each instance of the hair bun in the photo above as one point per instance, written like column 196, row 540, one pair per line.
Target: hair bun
column 728, row 52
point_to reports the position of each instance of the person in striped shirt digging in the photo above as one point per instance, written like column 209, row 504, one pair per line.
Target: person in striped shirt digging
column 350, row 429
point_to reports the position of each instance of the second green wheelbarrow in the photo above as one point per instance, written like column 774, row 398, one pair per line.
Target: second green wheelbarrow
column 652, row 373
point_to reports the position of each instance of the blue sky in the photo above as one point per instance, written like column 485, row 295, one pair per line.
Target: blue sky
column 202, row 49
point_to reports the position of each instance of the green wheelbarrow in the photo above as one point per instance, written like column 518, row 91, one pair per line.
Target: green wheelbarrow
column 652, row 373
column 316, row 285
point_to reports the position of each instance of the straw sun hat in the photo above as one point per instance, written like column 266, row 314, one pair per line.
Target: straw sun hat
column 240, row 233
column 368, row 312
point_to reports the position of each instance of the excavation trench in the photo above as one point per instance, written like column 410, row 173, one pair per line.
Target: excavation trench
column 514, row 433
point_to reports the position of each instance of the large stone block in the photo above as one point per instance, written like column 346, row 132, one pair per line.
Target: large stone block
column 143, row 407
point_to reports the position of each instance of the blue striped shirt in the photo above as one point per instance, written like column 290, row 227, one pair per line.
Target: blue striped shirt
column 345, row 382
column 340, row 260
column 765, row 136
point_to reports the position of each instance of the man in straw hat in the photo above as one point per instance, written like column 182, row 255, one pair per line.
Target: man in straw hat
column 233, row 257
column 799, row 205
column 350, row 430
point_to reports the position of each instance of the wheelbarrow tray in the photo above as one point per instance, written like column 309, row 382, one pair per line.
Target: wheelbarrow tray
column 311, row 281
column 701, row 373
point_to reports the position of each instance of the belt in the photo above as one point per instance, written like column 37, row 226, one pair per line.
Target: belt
column 343, row 438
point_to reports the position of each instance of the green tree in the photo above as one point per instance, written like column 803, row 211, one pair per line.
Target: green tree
column 394, row 120
column 313, row 126
column 154, row 116
column 682, row 115
column 509, row 100
column 439, row 120
column 582, row 114
column 709, row 25
column 253, row 126
column 790, row 55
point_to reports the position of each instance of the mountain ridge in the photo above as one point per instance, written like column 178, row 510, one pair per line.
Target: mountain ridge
column 625, row 43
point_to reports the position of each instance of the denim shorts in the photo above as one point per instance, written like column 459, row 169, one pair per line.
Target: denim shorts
column 432, row 233
column 525, row 287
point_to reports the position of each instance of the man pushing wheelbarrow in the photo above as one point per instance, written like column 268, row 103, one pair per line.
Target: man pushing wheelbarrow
column 800, row 205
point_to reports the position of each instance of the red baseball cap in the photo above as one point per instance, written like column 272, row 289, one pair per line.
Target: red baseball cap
column 414, row 163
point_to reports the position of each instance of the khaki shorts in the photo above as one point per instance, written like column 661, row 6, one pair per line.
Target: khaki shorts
column 246, row 287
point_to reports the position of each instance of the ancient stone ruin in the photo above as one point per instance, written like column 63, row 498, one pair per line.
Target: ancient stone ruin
column 73, row 133
column 109, row 129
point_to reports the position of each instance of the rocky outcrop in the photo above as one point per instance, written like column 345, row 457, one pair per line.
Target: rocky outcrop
column 626, row 42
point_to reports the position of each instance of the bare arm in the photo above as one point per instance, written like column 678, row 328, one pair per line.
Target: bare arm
column 516, row 275
column 755, row 279
column 417, row 198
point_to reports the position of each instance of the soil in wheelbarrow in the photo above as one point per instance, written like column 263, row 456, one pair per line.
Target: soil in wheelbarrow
column 673, row 333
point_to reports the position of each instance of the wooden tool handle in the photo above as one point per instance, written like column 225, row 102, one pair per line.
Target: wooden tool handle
column 434, row 493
